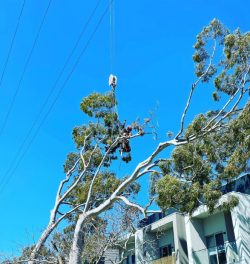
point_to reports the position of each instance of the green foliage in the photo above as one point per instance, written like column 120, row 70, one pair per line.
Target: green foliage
column 71, row 160
column 215, row 31
column 195, row 172
column 232, row 66
column 197, row 125
column 105, row 184
column 98, row 105
column 170, row 192
column 96, row 137
column 215, row 96
column 231, row 202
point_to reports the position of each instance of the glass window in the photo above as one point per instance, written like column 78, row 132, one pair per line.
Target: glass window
column 213, row 259
column 133, row 259
column 216, row 249
column 210, row 241
column 166, row 251
column 219, row 239
column 102, row 261
column 169, row 250
column 222, row 257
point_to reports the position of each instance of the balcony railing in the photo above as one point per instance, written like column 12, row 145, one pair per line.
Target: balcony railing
column 165, row 260
column 220, row 254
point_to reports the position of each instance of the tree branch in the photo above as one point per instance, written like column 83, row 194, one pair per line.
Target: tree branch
column 127, row 202
column 113, row 145
column 192, row 91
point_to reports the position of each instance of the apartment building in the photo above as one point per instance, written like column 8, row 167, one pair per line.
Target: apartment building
column 174, row 238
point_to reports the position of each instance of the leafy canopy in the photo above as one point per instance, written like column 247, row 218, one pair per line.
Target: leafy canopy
column 196, row 171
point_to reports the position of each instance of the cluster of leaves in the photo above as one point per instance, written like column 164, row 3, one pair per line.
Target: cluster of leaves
column 95, row 144
column 206, row 40
column 96, row 138
column 195, row 172
column 232, row 68
column 235, row 62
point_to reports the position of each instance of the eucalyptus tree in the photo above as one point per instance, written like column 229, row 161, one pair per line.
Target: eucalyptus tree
column 196, row 168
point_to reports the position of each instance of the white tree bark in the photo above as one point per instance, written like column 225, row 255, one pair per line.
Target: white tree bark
column 75, row 256
column 40, row 243
column 54, row 220
column 141, row 169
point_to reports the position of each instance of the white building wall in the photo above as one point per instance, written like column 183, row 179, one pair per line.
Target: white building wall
column 214, row 224
column 200, row 226
column 139, row 257
column 180, row 240
column 196, row 240
column 166, row 238
column 111, row 256
column 195, row 230
column 241, row 223
column 130, row 250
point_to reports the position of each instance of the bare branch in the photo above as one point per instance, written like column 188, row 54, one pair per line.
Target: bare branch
column 98, row 170
column 228, row 102
column 69, row 212
column 192, row 91
column 127, row 202
column 79, row 177
column 31, row 259
column 231, row 111
column 83, row 148
column 114, row 144
column 69, row 173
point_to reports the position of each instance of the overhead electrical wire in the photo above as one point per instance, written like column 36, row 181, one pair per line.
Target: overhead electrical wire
column 23, row 72
column 12, row 170
column 12, row 43
column 5, row 121
column 52, row 90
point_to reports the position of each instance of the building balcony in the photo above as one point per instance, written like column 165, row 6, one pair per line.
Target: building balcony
column 223, row 254
column 165, row 260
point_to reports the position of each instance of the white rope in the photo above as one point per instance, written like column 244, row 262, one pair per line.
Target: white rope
column 111, row 34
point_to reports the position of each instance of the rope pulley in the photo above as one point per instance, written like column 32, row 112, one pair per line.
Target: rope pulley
column 112, row 81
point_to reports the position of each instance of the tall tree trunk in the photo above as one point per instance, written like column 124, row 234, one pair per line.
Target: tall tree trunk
column 75, row 256
column 40, row 243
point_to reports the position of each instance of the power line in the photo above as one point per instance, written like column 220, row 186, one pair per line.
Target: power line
column 12, row 172
column 12, row 43
column 53, row 88
column 24, row 70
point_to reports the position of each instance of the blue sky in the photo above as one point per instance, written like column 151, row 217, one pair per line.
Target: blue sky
column 153, row 62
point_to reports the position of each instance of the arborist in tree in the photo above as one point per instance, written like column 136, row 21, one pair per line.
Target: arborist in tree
column 125, row 132
column 125, row 145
